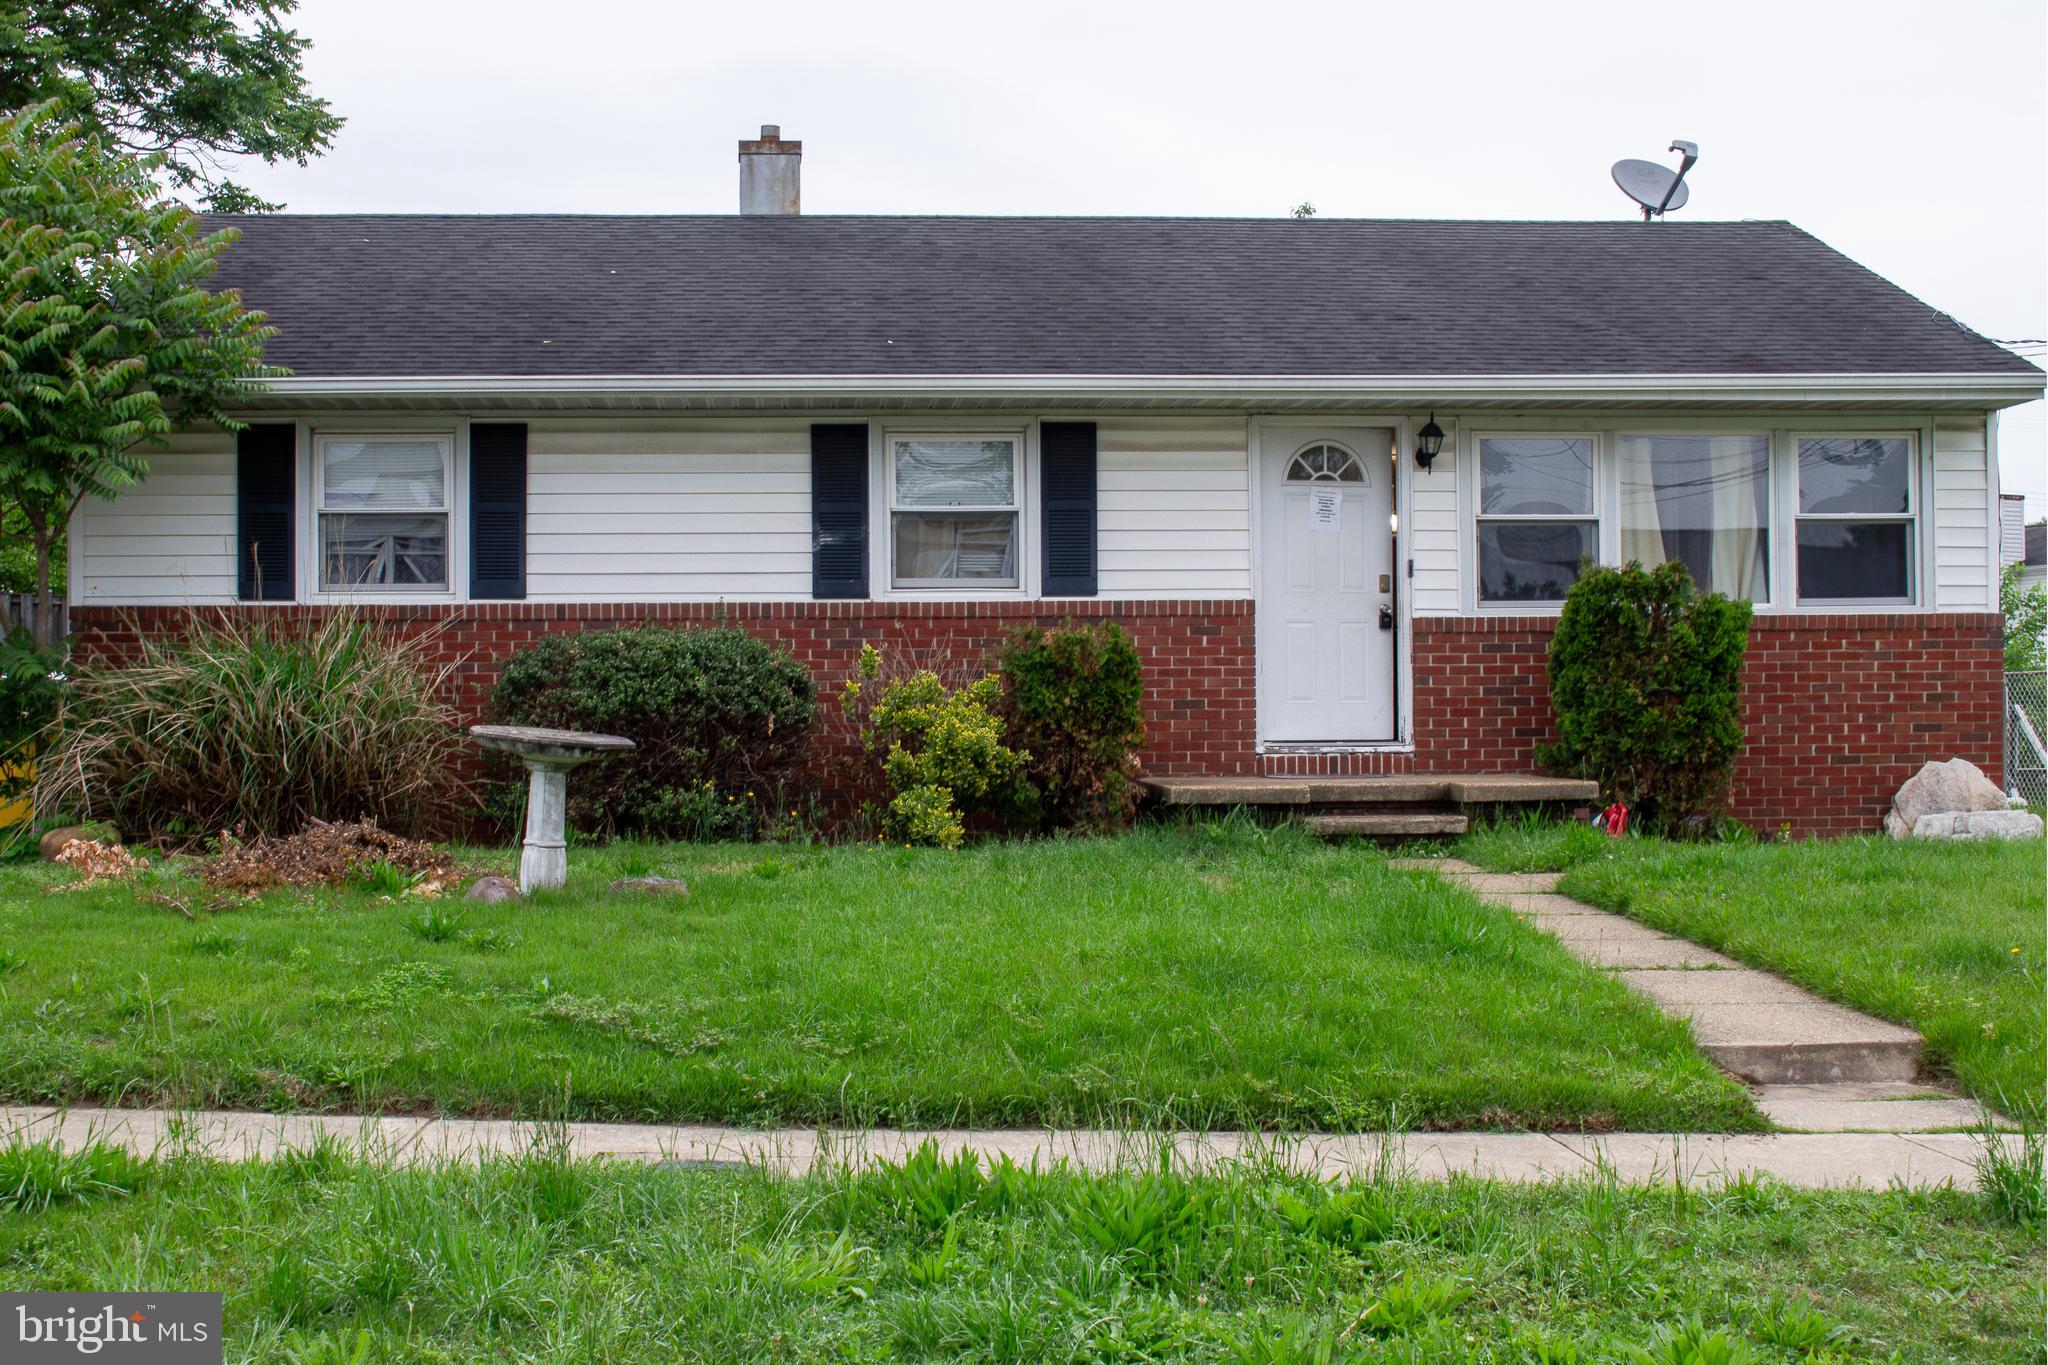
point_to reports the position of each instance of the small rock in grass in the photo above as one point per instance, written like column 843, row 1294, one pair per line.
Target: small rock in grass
column 491, row 890
column 97, row 831
column 648, row 886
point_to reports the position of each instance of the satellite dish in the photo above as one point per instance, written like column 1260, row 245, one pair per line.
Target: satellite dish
column 1657, row 188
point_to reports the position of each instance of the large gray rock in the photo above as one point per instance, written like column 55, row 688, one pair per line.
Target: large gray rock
column 1938, row 788
column 1978, row 824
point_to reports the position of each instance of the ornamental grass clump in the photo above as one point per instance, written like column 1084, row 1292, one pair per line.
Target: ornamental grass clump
column 1646, row 681
column 261, row 728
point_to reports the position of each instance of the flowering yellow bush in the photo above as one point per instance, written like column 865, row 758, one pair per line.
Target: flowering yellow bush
column 944, row 756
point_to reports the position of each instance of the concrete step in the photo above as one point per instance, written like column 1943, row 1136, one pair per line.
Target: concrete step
column 1388, row 825
column 1458, row 789
column 1870, row 1107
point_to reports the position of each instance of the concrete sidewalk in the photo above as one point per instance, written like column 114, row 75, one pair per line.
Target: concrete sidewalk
column 1814, row 1160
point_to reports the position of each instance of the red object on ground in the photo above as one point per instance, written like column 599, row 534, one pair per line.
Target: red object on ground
column 1615, row 820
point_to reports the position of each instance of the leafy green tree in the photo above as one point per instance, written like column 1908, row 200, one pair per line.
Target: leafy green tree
column 193, row 81
column 107, row 339
column 2026, row 621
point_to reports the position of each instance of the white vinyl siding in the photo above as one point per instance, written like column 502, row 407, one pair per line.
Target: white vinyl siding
column 1430, row 533
column 1965, row 540
column 1173, row 512
column 169, row 540
column 629, row 512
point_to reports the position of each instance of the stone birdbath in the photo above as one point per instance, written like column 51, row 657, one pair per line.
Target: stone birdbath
column 548, row 755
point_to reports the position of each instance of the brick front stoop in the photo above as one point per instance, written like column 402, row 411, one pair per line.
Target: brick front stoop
column 1815, row 1066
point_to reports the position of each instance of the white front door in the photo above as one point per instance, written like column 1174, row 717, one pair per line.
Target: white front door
column 1326, row 599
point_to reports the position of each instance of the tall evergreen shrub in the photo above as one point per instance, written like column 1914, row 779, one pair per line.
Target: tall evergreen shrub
column 1075, row 698
column 1645, row 678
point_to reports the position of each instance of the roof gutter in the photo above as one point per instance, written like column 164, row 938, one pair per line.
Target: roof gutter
column 1979, row 390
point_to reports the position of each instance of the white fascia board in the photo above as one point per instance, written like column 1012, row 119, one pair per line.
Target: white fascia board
column 1989, row 391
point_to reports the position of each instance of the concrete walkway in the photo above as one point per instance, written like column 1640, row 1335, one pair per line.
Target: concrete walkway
column 1815, row 1066
column 1814, row 1160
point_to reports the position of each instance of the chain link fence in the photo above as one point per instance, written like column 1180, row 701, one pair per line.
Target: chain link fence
column 2026, row 735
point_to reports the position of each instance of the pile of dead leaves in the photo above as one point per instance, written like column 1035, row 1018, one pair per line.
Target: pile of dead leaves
column 325, row 854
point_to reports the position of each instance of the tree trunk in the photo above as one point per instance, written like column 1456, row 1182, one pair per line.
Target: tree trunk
column 45, row 615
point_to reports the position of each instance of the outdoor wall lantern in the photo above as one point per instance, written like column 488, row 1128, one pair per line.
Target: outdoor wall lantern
column 1429, row 442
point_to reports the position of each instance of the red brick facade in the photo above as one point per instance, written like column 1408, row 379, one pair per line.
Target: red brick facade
column 1839, row 710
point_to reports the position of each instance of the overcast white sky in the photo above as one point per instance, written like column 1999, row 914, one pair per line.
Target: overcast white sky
column 1912, row 136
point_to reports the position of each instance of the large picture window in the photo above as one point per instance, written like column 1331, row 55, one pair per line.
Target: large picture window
column 383, row 512
column 1703, row 501
column 953, row 511
column 1856, row 519
column 1536, row 516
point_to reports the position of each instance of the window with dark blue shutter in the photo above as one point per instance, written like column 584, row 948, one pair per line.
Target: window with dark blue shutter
column 839, row 510
column 266, row 480
column 1066, row 454
column 497, row 511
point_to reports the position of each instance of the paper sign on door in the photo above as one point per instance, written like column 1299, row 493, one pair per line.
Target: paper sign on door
column 1325, row 510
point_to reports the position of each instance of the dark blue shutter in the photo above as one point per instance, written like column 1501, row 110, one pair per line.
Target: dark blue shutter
column 497, row 511
column 266, row 479
column 839, row 510
column 1066, row 457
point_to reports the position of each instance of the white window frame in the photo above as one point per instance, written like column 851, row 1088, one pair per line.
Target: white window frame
column 452, row 441
column 1911, row 518
column 1596, row 501
column 1774, row 541
column 1020, row 488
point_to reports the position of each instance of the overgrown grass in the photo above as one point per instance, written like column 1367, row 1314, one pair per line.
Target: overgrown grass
column 322, row 1257
column 1946, row 937
column 1219, row 975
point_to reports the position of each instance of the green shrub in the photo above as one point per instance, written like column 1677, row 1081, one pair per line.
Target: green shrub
column 942, row 752
column 1645, row 677
column 1075, row 699
column 719, row 719
column 262, row 728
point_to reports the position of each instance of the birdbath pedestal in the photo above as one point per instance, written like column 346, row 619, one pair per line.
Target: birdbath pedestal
column 548, row 755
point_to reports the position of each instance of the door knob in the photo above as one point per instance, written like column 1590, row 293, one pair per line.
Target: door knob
column 1386, row 616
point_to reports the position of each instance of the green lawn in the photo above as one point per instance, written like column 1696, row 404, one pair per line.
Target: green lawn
column 322, row 1259
column 1946, row 937
column 1212, row 976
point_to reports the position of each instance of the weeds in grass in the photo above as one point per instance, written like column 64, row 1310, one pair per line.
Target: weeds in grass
column 35, row 1176
column 1690, row 1343
column 819, row 1271
column 1411, row 1302
column 1353, row 1218
column 1796, row 1327
column 216, row 943
column 382, row 878
column 2012, row 1181
column 10, row 961
column 435, row 926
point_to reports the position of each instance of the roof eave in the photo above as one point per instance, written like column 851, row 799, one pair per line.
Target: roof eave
column 1924, row 391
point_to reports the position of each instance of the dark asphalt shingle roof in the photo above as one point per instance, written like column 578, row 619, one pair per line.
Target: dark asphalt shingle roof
column 545, row 294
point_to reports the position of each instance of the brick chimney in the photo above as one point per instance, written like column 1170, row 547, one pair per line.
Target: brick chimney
column 771, row 175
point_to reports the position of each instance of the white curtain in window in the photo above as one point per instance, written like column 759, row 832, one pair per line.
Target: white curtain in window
column 398, row 473
column 1702, row 500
